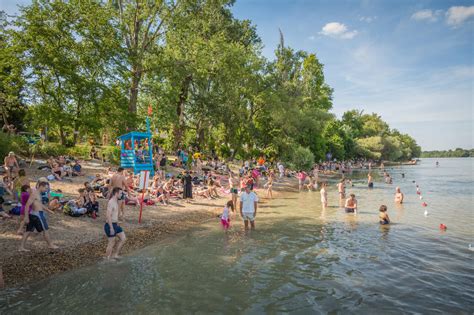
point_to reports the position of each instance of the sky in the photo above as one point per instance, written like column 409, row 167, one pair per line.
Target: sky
column 409, row 61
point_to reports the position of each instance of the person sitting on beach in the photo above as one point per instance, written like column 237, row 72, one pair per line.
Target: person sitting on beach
column 92, row 205
column 57, row 171
column 212, row 186
column 51, row 161
column 6, row 186
column 35, row 219
column 67, row 169
column 19, row 182
column 77, row 169
column 383, row 216
column 351, row 204
column 111, row 228
column 62, row 160
column 11, row 165
column 55, row 204
column 324, row 195
column 161, row 195
column 398, row 195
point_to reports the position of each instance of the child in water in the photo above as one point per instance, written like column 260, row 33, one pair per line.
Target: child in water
column 225, row 216
column 383, row 216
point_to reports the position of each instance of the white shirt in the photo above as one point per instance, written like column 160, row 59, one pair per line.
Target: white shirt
column 248, row 202
column 225, row 214
column 281, row 168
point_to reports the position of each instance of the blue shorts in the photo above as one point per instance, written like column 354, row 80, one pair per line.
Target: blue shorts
column 117, row 230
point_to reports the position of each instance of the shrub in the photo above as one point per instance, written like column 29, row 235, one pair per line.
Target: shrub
column 302, row 158
column 112, row 154
column 80, row 151
column 17, row 144
column 48, row 149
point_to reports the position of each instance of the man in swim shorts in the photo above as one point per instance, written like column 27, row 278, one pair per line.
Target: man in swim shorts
column 119, row 180
column 370, row 182
column 11, row 165
column 248, row 207
column 35, row 218
column 111, row 227
column 351, row 204
column 341, row 187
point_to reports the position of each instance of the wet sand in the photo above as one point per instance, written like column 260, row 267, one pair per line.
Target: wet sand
column 82, row 240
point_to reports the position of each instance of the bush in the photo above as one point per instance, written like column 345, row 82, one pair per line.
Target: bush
column 112, row 154
column 302, row 158
column 48, row 149
column 80, row 151
column 17, row 144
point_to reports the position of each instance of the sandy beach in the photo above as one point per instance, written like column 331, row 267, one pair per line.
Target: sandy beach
column 82, row 240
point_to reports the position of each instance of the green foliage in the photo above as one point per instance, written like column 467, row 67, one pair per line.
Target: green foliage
column 458, row 152
column 92, row 68
column 302, row 158
column 12, row 143
column 112, row 154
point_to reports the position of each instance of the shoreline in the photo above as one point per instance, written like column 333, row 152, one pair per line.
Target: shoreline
column 82, row 241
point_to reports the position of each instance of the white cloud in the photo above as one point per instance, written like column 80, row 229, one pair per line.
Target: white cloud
column 368, row 19
column 338, row 30
column 312, row 37
column 457, row 15
column 426, row 15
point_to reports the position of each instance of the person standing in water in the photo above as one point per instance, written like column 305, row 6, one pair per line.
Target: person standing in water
column 324, row 196
column 248, row 207
column 351, row 204
column 234, row 188
column 341, row 187
column 370, row 182
column 111, row 227
column 398, row 195
column 383, row 216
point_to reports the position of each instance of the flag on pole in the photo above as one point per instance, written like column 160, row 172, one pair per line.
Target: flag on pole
column 150, row 110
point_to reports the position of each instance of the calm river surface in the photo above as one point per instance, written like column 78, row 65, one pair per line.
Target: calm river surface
column 300, row 259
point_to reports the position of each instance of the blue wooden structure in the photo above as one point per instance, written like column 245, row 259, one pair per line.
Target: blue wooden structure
column 137, row 151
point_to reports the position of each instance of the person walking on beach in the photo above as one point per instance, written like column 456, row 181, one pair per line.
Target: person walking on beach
column 370, row 182
column 119, row 180
column 351, row 204
column 269, row 185
column 111, row 227
column 398, row 195
column 248, row 207
column 341, row 187
column 35, row 218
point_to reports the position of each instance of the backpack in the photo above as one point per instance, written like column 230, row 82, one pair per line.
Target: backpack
column 15, row 210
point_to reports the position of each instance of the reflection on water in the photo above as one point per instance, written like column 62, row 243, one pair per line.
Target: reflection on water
column 301, row 259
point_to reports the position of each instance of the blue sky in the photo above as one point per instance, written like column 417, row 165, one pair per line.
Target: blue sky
column 409, row 61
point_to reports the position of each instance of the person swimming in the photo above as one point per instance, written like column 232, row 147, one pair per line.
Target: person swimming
column 383, row 216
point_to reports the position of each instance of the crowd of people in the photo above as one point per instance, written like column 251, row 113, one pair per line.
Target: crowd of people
column 199, row 177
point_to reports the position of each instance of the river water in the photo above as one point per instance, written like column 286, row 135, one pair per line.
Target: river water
column 300, row 259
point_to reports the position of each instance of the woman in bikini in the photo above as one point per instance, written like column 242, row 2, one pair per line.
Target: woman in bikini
column 11, row 165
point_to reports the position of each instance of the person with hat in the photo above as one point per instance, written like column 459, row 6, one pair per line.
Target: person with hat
column 11, row 165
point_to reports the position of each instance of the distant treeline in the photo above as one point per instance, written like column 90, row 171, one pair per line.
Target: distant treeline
column 449, row 153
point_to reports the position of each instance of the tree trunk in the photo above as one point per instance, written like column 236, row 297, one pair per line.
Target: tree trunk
column 183, row 96
column 136, row 77
column 62, row 135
